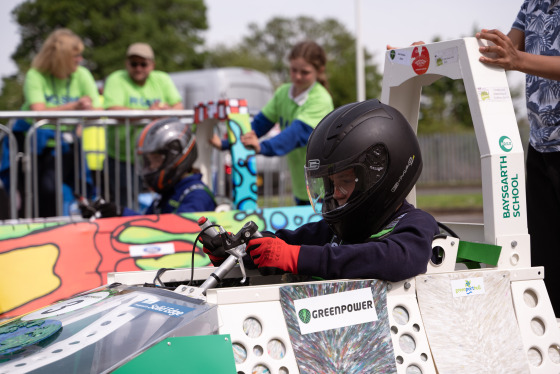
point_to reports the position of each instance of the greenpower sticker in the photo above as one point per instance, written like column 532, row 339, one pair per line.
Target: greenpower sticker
column 467, row 287
column 332, row 311
column 506, row 144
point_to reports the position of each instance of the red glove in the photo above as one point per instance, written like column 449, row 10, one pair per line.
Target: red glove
column 212, row 246
column 273, row 255
column 216, row 261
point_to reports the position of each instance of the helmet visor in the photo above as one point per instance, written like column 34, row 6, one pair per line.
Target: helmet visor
column 331, row 192
column 333, row 187
column 151, row 162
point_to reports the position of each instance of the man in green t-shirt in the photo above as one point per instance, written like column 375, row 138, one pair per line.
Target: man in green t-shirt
column 138, row 86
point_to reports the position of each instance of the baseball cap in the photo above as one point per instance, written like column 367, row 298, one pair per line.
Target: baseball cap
column 140, row 49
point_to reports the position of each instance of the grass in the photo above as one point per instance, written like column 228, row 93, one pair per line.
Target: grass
column 449, row 202
column 275, row 201
column 455, row 201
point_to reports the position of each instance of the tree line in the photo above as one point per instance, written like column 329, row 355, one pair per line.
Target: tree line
column 175, row 28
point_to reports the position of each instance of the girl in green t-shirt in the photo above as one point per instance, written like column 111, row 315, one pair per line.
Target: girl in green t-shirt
column 297, row 107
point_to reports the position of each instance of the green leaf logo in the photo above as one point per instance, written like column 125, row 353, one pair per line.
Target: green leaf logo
column 304, row 315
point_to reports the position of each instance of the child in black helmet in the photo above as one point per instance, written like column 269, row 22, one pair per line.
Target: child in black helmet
column 362, row 161
column 167, row 151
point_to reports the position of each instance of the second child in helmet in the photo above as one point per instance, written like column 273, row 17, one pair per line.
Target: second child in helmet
column 166, row 150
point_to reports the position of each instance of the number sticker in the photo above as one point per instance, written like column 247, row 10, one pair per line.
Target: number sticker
column 67, row 306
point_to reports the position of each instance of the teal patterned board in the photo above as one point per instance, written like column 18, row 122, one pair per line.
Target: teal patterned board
column 354, row 348
column 244, row 170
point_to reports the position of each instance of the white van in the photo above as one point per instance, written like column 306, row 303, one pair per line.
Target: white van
column 205, row 85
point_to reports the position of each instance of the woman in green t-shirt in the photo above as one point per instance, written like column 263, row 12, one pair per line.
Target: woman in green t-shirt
column 55, row 82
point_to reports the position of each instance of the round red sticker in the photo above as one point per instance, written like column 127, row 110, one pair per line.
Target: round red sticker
column 420, row 60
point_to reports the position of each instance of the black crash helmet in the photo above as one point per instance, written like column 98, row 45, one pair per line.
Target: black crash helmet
column 166, row 150
column 362, row 161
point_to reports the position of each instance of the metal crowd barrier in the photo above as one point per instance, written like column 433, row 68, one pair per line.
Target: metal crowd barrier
column 461, row 164
column 5, row 131
column 62, row 122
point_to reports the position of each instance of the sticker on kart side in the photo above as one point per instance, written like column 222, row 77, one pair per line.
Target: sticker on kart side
column 18, row 335
column 467, row 287
column 152, row 249
column 400, row 56
column 420, row 60
column 446, row 56
column 337, row 310
column 169, row 309
column 67, row 306
column 493, row 94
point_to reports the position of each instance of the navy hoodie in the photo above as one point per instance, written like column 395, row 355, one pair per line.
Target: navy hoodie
column 401, row 253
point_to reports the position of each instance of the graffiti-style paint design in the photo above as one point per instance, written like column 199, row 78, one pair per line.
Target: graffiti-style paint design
column 41, row 263
column 235, row 113
column 244, row 169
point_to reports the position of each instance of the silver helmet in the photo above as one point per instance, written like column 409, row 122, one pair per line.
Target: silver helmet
column 166, row 150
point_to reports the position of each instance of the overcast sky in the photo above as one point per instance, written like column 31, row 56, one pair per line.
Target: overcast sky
column 383, row 21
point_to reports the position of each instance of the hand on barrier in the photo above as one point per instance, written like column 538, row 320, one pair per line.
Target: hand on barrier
column 273, row 255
